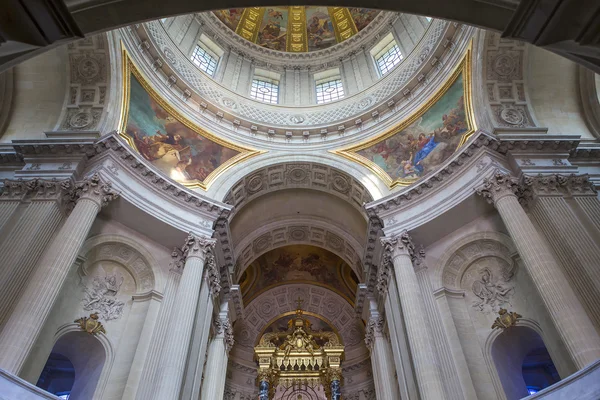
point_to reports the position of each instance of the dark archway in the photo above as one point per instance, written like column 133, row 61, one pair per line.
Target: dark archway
column 58, row 376
column 522, row 362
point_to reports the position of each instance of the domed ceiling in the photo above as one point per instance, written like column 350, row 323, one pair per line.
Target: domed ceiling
column 296, row 29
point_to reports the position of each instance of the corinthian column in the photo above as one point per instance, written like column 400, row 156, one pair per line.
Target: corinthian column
column 28, row 237
column 400, row 251
column 26, row 321
column 196, row 252
column 381, row 358
column 216, row 365
column 567, row 313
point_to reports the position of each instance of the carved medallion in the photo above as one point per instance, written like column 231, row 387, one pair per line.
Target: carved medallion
column 91, row 324
column 505, row 319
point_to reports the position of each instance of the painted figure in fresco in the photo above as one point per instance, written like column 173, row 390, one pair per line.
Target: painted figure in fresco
column 362, row 16
column 271, row 35
column 319, row 30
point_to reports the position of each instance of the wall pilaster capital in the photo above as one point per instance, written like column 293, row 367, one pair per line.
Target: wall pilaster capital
column 92, row 188
column 15, row 189
column 560, row 185
column 499, row 186
column 35, row 189
column 223, row 328
column 375, row 328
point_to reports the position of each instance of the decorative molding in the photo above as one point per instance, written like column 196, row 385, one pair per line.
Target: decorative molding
column 298, row 175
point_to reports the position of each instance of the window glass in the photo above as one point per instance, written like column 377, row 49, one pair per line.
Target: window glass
column 204, row 60
column 329, row 90
column 390, row 57
column 264, row 90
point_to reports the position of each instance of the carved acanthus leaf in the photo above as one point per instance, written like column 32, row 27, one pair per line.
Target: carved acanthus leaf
column 93, row 187
column 374, row 328
column 498, row 186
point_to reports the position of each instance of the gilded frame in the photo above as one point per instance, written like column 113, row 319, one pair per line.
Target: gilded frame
column 464, row 68
column 129, row 68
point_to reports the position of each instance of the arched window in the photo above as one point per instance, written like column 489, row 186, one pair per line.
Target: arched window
column 74, row 366
column 58, row 376
column 523, row 363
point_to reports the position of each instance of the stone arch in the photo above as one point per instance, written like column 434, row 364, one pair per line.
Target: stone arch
column 128, row 253
column 488, row 351
column 298, row 175
column 318, row 300
column 460, row 255
column 107, row 347
column 298, row 231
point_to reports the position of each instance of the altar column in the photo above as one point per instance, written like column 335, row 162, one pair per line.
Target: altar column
column 381, row 358
column 213, row 386
column 572, row 323
column 26, row 321
column 264, row 378
column 400, row 252
column 197, row 251
column 334, row 375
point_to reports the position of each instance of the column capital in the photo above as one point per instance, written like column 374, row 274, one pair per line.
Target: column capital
column 560, row 185
column 198, row 247
column 401, row 244
column 499, row 186
column 374, row 329
column 92, row 188
column 36, row 189
column 223, row 328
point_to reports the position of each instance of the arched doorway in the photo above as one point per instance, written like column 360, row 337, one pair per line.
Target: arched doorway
column 74, row 366
column 523, row 363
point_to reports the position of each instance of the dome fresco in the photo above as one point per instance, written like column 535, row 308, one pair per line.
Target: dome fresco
column 296, row 29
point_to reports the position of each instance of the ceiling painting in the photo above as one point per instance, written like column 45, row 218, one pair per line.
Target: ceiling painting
column 272, row 33
column 298, row 264
column 296, row 28
column 175, row 146
column 425, row 140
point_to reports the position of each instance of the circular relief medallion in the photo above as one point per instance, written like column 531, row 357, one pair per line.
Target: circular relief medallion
column 297, row 175
column 170, row 56
column 511, row 116
column 255, row 184
column 262, row 243
column 80, row 120
column 297, row 119
column 364, row 103
column 88, row 68
column 504, row 65
column 340, row 184
column 297, row 234
column 229, row 103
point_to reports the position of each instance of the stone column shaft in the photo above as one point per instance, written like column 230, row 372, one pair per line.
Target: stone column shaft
column 419, row 337
column 216, row 364
column 196, row 359
column 591, row 206
column 26, row 321
column 574, row 248
column 149, row 374
column 23, row 247
column 458, row 386
column 404, row 371
column 382, row 360
column 571, row 321
column 174, row 352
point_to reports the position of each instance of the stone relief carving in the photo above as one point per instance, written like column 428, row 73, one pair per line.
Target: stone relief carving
column 505, row 82
column 100, row 297
column 89, row 74
column 492, row 289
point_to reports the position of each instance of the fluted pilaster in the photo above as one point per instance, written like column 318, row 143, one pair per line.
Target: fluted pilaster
column 381, row 358
column 196, row 252
column 149, row 373
column 27, row 240
column 26, row 321
column 400, row 251
column 567, row 313
column 13, row 192
column 214, row 382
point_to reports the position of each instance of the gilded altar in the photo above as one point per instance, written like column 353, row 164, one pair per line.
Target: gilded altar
column 299, row 356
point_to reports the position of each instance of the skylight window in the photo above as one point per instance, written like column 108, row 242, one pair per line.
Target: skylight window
column 329, row 90
column 204, row 60
column 265, row 90
column 387, row 54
